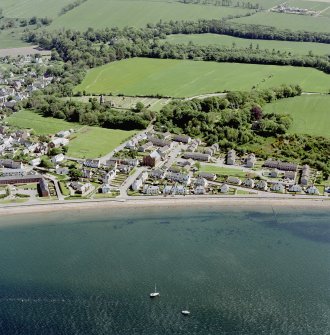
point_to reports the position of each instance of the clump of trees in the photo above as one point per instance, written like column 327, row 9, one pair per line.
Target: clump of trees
column 92, row 113
column 71, row 6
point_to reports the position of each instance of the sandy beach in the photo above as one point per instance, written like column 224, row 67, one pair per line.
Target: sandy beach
column 140, row 203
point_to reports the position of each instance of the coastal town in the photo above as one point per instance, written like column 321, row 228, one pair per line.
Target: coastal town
column 149, row 164
column 37, row 168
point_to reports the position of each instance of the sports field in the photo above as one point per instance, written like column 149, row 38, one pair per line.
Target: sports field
column 289, row 21
column 310, row 113
column 300, row 48
column 183, row 78
column 136, row 13
column 89, row 142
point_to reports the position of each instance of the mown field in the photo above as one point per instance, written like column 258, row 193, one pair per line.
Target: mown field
column 183, row 78
column 29, row 8
column 288, row 21
column 93, row 142
column 222, row 171
column 42, row 126
column 310, row 113
column 136, row 13
column 299, row 48
column 89, row 142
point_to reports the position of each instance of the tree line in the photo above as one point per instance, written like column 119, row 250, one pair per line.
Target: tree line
column 92, row 113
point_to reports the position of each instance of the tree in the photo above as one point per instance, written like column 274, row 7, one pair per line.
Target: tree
column 46, row 163
column 75, row 174
column 139, row 107
column 256, row 113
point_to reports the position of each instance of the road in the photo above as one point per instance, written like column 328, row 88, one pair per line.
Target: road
column 208, row 95
column 129, row 181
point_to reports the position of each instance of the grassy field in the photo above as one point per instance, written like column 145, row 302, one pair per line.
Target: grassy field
column 124, row 102
column 300, row 48
column 87, row 141
column 92, row 142
column 11, row 39
column 222, row 171
column 289, row 21
column 312, row 5
column 29, row 8
column 311, row 113
column 181, row 78
column 136, row 13
column 42, row 126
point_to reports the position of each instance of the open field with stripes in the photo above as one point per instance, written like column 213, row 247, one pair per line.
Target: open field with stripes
column 183, row 78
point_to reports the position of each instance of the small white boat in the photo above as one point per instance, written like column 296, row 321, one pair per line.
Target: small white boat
column 154, row 294
column 185, row 312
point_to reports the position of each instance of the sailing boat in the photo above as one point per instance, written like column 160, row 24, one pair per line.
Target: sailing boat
column 154, row 294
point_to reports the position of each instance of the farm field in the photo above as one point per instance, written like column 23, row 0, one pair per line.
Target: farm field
column 289, row 21
column 183, row 78
column 27, row 9
column 312, row 5
column 88, row 141
column 300, row 48
column 310, row 113
column 136, row 13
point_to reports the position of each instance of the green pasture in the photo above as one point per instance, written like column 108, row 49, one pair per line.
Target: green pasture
column 289, row 21
column 11, row 38
column 310, row 113
column 183, row 78
column 42, row 126
column 92, row 142
column 312, row 5
column 136, row 13
column 86, row 141
column 300, row 48
column 29, row 8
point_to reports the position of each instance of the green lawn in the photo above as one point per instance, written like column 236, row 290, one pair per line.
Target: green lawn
column 301, row 48
column 41, row 125
column 92, row 142
column 289, row 21
column 222, row 171
column 311, row 113
column 88, row 142
column 136, row 13
column 181, row 78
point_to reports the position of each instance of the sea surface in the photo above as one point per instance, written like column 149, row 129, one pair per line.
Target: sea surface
column 238, row 270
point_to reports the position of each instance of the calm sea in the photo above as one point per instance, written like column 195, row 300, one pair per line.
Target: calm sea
column 238, row 271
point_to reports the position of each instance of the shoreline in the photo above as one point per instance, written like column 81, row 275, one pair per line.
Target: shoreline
column 248, row 202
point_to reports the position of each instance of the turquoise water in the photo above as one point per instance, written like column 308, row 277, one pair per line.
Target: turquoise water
column 238, row 271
